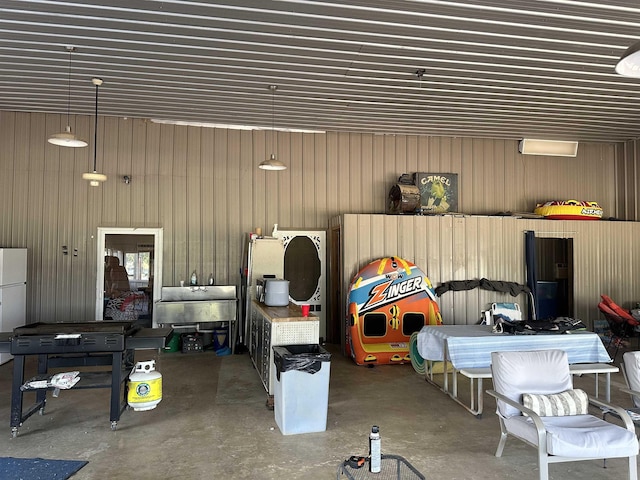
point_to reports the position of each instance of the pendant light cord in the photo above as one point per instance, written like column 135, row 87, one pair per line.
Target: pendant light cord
column 71, row 49
column 274, row 138
column 95, row 134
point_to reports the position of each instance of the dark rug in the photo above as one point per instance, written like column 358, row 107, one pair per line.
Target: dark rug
column 38, row 468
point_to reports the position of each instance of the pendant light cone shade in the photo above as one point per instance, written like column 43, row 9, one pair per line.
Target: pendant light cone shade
column 95, row 178
column 629, row 63
column 66, row 138
column 272, row 163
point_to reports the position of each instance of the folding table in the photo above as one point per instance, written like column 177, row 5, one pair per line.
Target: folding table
column 468, row 348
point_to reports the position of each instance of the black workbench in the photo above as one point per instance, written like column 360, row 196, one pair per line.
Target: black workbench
column 73, row 345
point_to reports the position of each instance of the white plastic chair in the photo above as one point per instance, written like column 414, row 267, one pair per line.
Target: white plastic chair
column 557, row 438
column 630, row 367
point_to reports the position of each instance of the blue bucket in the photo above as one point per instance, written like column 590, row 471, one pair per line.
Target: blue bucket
column 220, row 338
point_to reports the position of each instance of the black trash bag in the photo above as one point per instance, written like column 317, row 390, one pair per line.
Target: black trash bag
column 303, row 358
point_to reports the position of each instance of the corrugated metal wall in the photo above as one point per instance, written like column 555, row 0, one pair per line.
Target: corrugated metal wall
column 628, row 165
column 472, row 247
column 204, row 188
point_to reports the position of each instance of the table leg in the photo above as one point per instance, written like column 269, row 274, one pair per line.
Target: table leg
column 445, row 369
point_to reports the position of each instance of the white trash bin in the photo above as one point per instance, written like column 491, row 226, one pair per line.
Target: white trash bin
column 301, row 390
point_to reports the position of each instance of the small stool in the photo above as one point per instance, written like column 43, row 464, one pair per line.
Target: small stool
column 393, row 467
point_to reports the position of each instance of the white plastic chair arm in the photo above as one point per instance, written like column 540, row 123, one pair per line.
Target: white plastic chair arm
column 537, row 422
column 620, row 412
column 629, row 391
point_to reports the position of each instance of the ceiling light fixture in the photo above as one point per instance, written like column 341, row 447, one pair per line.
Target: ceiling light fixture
column 187, row 123
column 629, row 63
column 273, row 163
column 95, row 178
column 66, row 138
column 554, row 148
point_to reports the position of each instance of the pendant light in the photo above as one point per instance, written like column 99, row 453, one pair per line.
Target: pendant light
column 95, row 178
column 272, row 163
column 66, row 138
column 629, row 63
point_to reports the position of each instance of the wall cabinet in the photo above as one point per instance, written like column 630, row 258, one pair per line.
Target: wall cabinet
column 277, row 326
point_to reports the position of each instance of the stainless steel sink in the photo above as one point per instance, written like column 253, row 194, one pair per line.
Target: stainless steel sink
column 198, row 308
column 201, row 292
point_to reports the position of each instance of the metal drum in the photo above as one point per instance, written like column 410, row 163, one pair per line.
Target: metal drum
column 403, row 198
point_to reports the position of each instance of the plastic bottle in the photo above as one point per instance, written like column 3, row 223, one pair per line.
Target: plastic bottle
column 194, row 278
column 374, row 450
column 211, row 279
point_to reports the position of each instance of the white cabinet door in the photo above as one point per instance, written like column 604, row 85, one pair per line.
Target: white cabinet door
column 13, row 301
column 13, row 266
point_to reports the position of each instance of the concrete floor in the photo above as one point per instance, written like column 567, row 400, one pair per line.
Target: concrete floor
column 213, row 423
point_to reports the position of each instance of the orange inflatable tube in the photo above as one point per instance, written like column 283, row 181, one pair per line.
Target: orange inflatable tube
column 389, row 299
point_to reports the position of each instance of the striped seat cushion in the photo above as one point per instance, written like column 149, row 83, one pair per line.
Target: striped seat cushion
column 569, row 402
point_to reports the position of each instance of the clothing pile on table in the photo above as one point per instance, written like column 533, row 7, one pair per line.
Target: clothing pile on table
column 533, row 327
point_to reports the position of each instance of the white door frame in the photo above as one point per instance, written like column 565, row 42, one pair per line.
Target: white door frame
column 157, row 261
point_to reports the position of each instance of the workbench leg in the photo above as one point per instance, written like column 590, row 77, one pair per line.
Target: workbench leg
column 16, row 393
column 43, row 369
column 116, row 384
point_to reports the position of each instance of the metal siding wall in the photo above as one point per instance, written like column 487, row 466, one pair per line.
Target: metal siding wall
column 627, row 168
column 473, row 247
column 203, row 187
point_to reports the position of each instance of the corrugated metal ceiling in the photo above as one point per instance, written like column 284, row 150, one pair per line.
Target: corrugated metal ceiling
column 504, row 69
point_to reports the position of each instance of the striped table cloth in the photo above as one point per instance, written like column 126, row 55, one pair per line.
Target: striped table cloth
column 470, row 346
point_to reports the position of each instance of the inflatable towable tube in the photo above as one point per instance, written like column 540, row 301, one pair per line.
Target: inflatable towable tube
column 569, row 210
column 389, row 299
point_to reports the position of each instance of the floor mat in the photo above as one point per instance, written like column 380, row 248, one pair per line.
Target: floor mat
column 38, row 468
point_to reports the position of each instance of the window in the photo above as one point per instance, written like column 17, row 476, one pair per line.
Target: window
column 138, row 265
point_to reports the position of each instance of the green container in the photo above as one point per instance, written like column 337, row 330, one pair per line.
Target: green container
column 174, row 344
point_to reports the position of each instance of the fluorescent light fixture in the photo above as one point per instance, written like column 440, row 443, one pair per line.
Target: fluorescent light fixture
column 232, row 126
column 554, row 148
column 629, row 63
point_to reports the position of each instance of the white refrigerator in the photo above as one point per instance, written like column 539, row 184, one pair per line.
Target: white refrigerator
column 13, row 291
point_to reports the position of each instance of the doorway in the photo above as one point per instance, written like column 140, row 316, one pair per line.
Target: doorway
column 550, row 276
column 554, row 257
column 139, row 255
